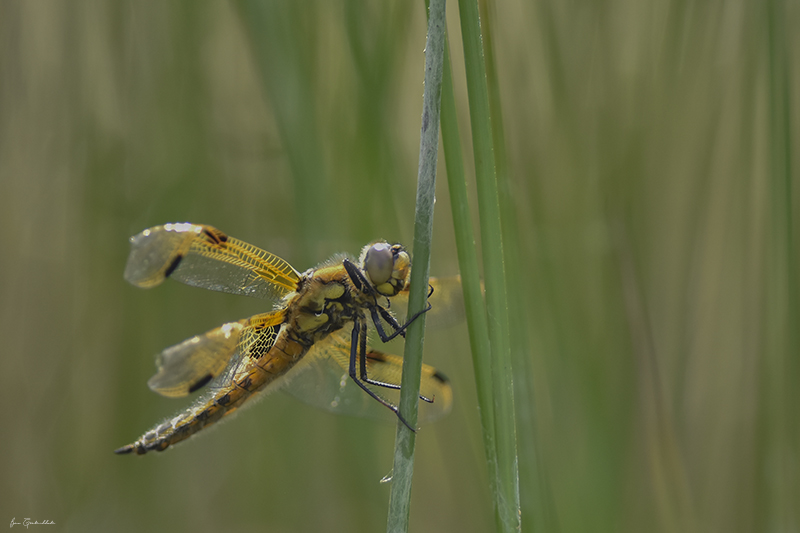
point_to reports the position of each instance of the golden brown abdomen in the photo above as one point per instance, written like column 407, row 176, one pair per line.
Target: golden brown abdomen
column 254, row 376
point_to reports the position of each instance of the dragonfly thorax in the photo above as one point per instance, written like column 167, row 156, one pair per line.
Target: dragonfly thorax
column 323, row 304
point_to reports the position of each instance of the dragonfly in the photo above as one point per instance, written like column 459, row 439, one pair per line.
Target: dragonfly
column 302, row 345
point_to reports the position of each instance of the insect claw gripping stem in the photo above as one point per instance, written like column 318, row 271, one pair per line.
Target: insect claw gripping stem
column 358, row 339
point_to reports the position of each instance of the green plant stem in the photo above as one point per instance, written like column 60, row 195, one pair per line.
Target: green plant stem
column 402, row 472
column 468, row 266
column 507, row 494
column 781, row 433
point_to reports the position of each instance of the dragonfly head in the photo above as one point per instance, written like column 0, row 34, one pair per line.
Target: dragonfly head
column 387, row 267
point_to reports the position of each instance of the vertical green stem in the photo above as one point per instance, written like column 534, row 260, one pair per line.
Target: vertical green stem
column 402, row 472
column 470, row 272
column 507, row 493
column 780, row 485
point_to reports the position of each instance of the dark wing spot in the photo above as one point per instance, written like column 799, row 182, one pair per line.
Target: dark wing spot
column 441, row 377
column 171, row 268
column 215, row 235
column 201, row 382
column 377, row 356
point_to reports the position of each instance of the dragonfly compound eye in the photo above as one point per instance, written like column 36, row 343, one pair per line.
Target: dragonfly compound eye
column 379, row 263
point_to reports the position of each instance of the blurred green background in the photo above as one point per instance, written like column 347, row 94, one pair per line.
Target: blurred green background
column 651, row 183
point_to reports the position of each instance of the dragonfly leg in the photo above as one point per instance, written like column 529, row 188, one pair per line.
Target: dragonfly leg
column 358, row 339
column 363, row 285
column 357, row 277
column 362, row 358
column 392, row 321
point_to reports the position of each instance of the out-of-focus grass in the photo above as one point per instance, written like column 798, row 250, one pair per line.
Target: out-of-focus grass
column 501, row 450
column 655, row 288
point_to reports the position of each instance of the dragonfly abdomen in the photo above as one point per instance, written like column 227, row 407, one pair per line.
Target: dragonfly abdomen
column 254, row 377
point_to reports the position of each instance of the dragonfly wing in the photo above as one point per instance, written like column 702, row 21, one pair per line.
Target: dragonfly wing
column 214, row 355
column 203, row 256
column 254, row 341
column 447, row 303
column 321, row 379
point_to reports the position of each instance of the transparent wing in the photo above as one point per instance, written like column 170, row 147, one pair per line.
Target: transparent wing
column 447, row 303
column 214, row 355
column 254, row 342
column 321, row 379
column 203, row 256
